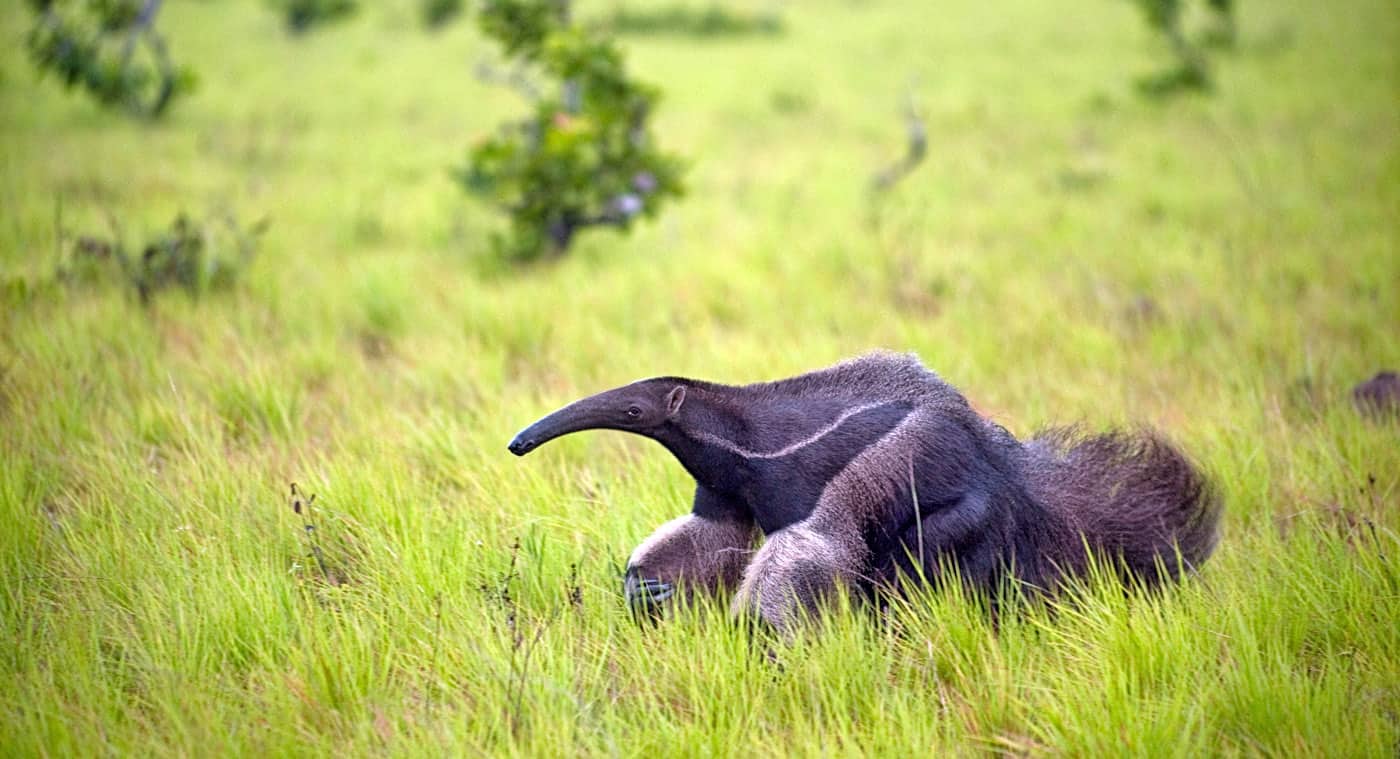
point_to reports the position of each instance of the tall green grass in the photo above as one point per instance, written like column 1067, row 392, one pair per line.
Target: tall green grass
column 1223, row 267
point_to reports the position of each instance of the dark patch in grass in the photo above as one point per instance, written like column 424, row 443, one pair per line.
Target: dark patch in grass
column 1080, row 178
column 375, row 346
column 1177, row 80
column 19, row 291
column 437, row 13
column 1100, row 104
column 790, row 101
column 301, row 16
column 686, row 21
column 195, row 256
column 1142, row 312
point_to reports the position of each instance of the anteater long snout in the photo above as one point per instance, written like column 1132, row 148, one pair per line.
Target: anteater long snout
column 522, row 443
column 591, row 413
column 542, row 431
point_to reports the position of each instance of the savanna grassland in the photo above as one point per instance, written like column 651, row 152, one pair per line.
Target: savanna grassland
column 1225, row 266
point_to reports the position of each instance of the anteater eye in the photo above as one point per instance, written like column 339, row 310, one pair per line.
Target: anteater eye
column 634, row 411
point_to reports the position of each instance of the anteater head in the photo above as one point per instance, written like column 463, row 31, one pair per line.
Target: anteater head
column 644, row 408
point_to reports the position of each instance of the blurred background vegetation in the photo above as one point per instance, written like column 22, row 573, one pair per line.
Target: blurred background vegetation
column 321, row 242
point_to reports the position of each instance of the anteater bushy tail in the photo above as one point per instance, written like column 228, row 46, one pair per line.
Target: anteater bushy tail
column 1133, row 496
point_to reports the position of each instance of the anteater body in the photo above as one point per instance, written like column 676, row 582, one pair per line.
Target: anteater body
column 875, row 471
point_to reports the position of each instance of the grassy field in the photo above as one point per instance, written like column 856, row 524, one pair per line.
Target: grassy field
column 1225, row 267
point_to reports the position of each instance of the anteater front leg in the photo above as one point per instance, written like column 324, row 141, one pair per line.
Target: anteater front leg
column 797, row 567
column 703, row 552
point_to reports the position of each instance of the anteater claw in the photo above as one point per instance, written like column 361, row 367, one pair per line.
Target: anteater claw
column 645, row 596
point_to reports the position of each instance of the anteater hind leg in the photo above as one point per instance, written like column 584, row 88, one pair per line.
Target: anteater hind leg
column 797, row 567
column 693, row 554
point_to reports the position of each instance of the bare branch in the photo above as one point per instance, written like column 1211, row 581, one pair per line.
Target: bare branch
column 918, row 148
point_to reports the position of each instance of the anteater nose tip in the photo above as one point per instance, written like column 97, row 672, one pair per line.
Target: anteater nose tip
column 520, row 447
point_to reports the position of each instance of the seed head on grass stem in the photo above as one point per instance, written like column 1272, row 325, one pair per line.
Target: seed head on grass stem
column 301, row 505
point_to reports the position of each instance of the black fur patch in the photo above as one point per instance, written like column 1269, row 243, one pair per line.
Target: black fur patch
column 788, row 487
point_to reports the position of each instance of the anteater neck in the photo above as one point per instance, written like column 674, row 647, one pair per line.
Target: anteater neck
column 694, row 437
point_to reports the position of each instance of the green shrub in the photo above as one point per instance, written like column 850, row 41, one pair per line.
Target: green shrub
column 584, row 156
column 110, row 49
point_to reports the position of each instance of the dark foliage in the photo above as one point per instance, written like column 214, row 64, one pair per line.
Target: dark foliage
column 109, row 48
column 584, row 156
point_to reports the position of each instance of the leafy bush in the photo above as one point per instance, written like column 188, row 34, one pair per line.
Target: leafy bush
column 197, row 257
column 302, row 15
column 584, row 156
column 1192, row 70
column 109, row 48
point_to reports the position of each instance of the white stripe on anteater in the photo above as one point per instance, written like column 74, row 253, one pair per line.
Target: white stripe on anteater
column 791, row 448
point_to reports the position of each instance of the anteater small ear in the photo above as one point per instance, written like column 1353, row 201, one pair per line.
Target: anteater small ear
column 674, row 399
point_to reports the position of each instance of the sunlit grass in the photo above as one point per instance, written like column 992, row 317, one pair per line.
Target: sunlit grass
column 1224, row 267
